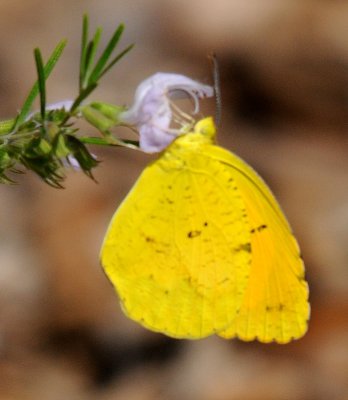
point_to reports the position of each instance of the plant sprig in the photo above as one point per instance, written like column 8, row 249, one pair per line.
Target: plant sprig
column 47, row 141
column 91, row 70
column 48, row 68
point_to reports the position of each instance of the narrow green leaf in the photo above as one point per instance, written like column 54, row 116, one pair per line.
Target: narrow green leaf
column 116, row 59
column 90, row 56
column 85, row 30
column 110, row 47
column 57, row 52
column 41, row 82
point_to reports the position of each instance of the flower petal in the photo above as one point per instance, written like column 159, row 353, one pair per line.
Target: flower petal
column 151, row 112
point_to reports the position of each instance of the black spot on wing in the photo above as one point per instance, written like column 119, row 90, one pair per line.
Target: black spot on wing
column 243, row 247
column 279, row 307
column 193, row 234
column 259, row 228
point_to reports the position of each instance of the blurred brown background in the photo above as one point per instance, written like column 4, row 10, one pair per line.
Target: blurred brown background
column 285, row 101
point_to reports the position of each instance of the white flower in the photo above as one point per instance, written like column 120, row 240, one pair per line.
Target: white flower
column 66, row 104
column 152, row 113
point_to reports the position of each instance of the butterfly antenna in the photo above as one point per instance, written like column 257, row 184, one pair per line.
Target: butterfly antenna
column 217, row 88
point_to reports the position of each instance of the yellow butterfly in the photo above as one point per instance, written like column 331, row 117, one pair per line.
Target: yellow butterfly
column 200, row 246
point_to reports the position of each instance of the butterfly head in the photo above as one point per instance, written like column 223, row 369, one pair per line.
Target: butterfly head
column 201, row 133
column 206, row 127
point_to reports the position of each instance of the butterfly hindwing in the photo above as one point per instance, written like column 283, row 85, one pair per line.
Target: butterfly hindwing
column 178, row 248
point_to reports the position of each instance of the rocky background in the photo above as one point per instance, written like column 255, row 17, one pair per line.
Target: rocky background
column 284, row 68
